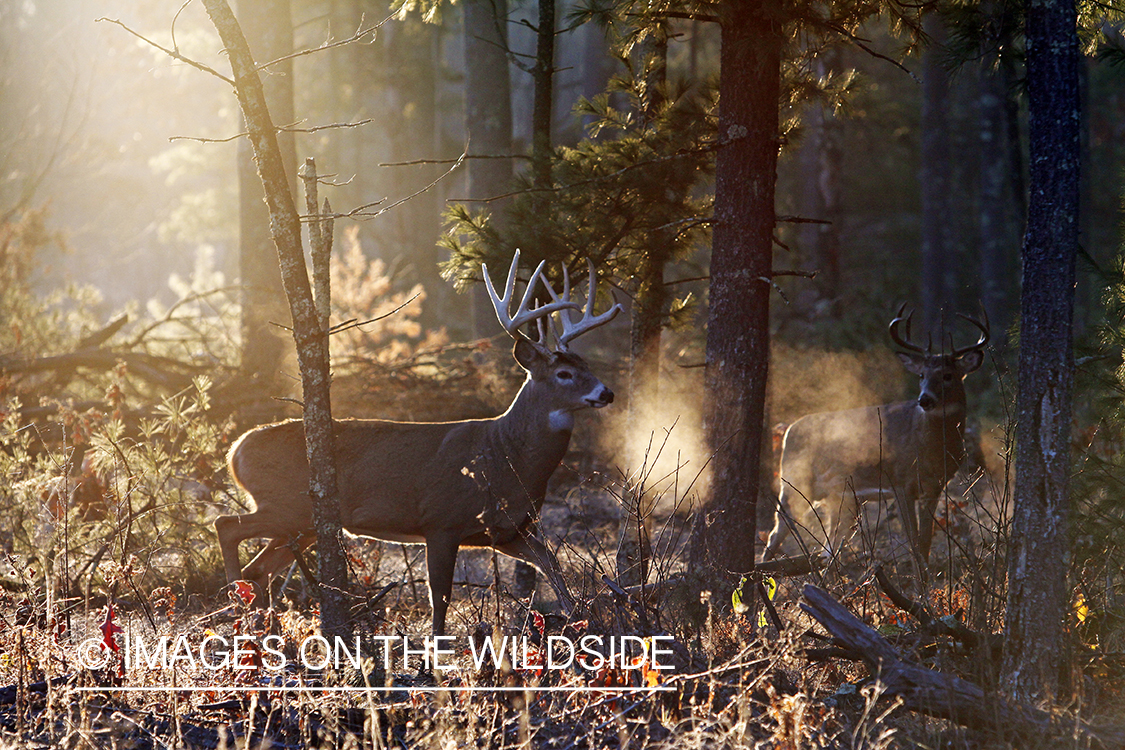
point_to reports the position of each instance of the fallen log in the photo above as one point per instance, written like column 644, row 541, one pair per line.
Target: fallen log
column 947, row 696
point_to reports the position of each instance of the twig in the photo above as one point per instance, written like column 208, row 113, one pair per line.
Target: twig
column 350, row 324
column 357, row 36
column 170, row 52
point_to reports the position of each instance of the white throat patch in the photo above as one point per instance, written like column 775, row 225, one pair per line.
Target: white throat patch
column 560, row 420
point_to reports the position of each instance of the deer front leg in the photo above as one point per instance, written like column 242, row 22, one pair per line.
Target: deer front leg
column 927, row 506
column 531, row 549
column 441, row 558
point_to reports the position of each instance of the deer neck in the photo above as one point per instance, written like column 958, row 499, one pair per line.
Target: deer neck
column 529, row 428
column 942, row 428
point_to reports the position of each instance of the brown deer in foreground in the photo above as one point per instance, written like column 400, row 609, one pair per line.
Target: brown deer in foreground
column 908, row 448
column 473, row 483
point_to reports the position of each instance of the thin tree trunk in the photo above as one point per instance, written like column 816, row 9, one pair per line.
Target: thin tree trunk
column 310, row 336
column 1037, row 563
column 737, row 356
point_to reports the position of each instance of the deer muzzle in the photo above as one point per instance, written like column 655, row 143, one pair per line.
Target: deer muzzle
column 600, row 397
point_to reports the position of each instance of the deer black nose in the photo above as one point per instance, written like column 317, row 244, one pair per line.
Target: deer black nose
column 603, row 397
column 927, row 402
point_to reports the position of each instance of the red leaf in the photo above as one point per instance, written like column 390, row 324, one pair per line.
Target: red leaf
column 244, row 590
column 109, row 628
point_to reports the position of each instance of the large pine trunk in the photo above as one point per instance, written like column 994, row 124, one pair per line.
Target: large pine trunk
column 737, row 356
column 935, row 182
column 1037, row 565
column 488, row 121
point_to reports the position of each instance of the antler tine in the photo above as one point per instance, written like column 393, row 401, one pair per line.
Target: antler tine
column 895, row 337
column 523, row 315
column 985, row 333
column 573, row 329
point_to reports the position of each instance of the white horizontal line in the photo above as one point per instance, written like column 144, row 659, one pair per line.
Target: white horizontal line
column 440, row 689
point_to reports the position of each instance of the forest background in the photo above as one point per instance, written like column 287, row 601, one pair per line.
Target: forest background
column 135, row 232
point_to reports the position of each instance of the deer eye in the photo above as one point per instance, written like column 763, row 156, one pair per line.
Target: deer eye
column 564, row 375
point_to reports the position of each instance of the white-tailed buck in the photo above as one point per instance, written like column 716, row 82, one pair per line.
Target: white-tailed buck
column 474, row 483
column 833, row 461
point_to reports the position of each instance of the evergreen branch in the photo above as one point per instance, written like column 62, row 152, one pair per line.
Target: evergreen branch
column 861, row 43
column 601, row 178
column 691, row 16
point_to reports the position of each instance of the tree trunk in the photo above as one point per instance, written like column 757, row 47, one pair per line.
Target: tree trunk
column 650, row 296
column 822, row 162
column 997, row 240
column 737, row 357
column 1037, row 563
column 937, row 245
column 543, row 75
column 268, row 28
column 311, row 337
column 488, row 121
column 541, row 148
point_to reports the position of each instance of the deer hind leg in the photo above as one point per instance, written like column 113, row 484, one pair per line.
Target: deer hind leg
column 782, row 520
column 531, row 549
column 233, row 530
column 274, row 557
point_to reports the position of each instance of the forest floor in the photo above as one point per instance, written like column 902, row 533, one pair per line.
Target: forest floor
column 76, row 673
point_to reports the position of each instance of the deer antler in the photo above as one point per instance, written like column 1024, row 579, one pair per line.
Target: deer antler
column 985, row 334
column 523, row 315
column 895, row 337
column 985, row 329
column 572, row 329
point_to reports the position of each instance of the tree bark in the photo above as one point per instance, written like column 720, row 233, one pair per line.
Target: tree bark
column 311, row 338
column 737, row 356
column 269, row 32
column 937, row 244
column 1037, row 563
column 822, row 162
column 650, row 297
column 488, row 121
column 997, row 257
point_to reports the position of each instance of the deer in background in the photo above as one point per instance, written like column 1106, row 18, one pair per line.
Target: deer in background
column 473, row 483
column 831, row 462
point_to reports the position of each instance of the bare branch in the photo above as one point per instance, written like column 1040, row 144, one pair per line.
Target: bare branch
column 170, row 52
column 417, row 162
column 356, row 37
column 413, row 195
column 350, row 324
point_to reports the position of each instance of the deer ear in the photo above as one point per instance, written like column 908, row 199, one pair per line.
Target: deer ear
column 970, row 361
column 530, row 355
column 912, row 362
